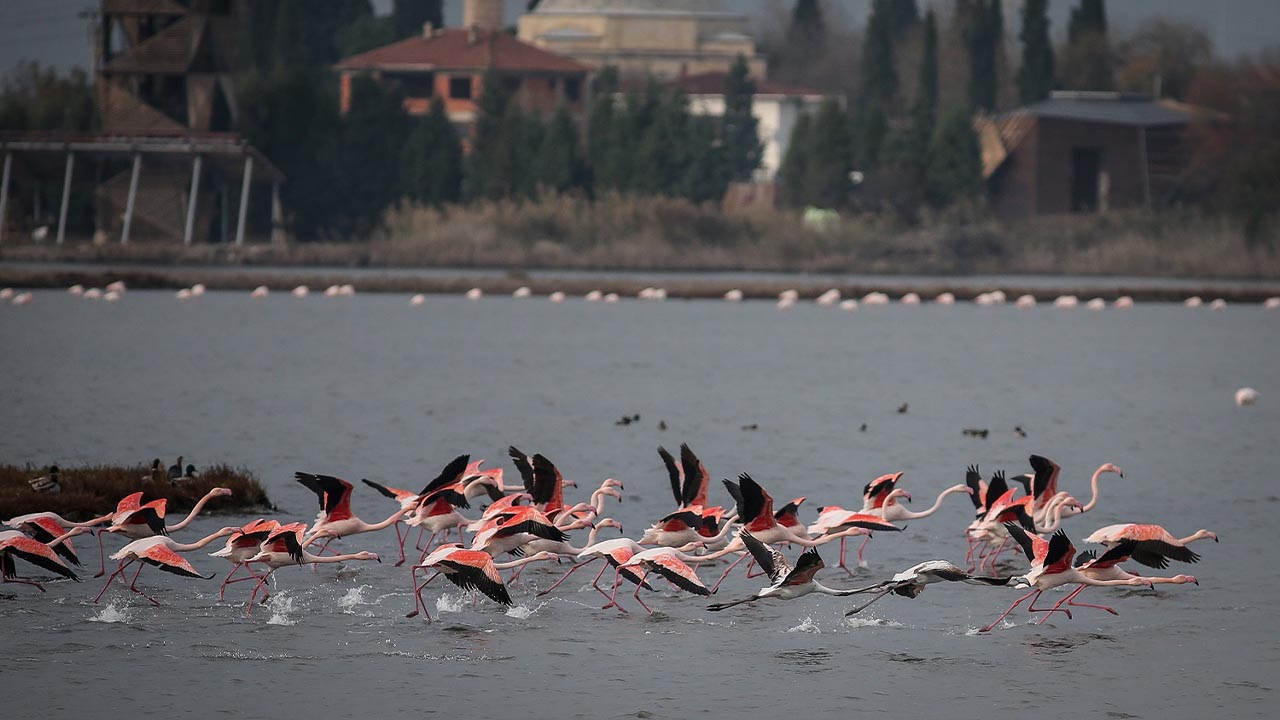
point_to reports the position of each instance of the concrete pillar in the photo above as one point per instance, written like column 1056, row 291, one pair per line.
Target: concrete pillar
column 4, row 189
column 66, row 197
column 244, row 199
column 192, row 200
column 133, row 193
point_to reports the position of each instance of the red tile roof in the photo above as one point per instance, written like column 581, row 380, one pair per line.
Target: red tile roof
column 457, row 49
column 712, row 83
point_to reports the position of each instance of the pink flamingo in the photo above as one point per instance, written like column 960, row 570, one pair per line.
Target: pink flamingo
column 162, row 552
column 834, row 520
column 469, row 570
column 136, row 520
column 1050, row 568
column 285, row 546
column 1153, row 545
column 614, row 552
column 1046, row 482
column 667, row 562
column 335, row 517
column 47, row 526
column 14, row 544
column 242, row 545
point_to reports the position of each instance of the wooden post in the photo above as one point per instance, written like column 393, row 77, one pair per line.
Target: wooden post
column 192, row 199
column 277, row 216
column 244, row 199
column 4, row 189
column 133, row 193
column 66, row 197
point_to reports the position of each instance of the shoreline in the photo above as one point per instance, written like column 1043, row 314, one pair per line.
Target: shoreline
column 679, row 284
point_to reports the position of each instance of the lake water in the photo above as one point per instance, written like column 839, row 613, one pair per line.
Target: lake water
column 371, row 387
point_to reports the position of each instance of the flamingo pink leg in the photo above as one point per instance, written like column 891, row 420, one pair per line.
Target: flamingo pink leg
column 1071, row 601
column 1047, row 611
column 752, row 565
column 102, row 557
column 427, row 550
column 636, row 595
column 1005, row 614
column 417, row 594
column 566, row 575
column 32, row 583
column 613, row 598
column 842, row 548
column 418, row 543
column 114, row 573
column 863, row 563
column 400, row 538
column 727, row 570
column 134, row 586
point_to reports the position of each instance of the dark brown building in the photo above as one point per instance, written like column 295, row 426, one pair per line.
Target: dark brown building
column 1084, row 152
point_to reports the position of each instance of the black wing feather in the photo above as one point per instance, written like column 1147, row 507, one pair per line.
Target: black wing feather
column 45, row 563
column 544, row 483
column 973, row 478
column 1024, row 541
column 523, row 466
column 1059, row 547
column 694, row 474
column 673, row 472
column 380, row 488
column 452, row 473
column 1045, row 469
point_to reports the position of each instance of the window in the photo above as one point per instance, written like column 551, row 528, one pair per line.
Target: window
column 414, row 85
column 572, row 90
column 460, row 88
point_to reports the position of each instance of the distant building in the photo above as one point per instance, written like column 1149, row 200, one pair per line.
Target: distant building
column 1084, row 152
column 167, row 164
column 450, row 64
column 775, row 106
column 662, row 38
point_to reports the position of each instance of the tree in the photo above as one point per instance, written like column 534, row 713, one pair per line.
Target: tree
column 373, row 133
column 1035, row 77
column 1087, row 62
column 431, row 169
column 409, row 16
column 955, row 161
column 879, row 79
column 293, row 33
column 982, row 27
column 558, row 166
column 830, row 153
column 807, row 30
column 795, row 163
column 37, row 98
column 900, row 15
column 1162, row 57
column 874, row 127
column 662, row 155
column 927, row 102
column 705, row 177
column 738, row 126
column 608, row 144
column 487, row 137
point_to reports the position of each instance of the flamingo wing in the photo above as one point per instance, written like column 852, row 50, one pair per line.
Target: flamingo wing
column 1114, row 555
column 394, row 493
column 474, row 573
column 535, row 527
column 152, row 514
column 1059, row 554
column 696, row 478
column 867, row 522
column 36, row 553
column 756, row 503
column 337, row 497
column 1045, row 483
column 45, row 529
column 680, row 520
column 548, row 483
column 973, row 478
column 450, row 475
column 166, row 559
column 1030, row 544
column 773, row 563
column 523, row 466
column 290, row 537
column 807, row 565
column 678, row 573
column 673, row 473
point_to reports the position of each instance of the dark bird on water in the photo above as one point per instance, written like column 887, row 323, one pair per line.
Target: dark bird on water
column 902, row 409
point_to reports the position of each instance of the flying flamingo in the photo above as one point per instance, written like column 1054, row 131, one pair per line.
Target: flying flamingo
column 667, row 562
column 435, row 507
column 786, row 582
column 469, row 570
column 46, row 526
column 285, row 546
column 615, row 552
column 510, row 530
column 789, row 515
column 692, row 520
column 912, row 581
column 14, row 544
column 1153, row 545
column 1045, row 485
column 335, row 517
column 162, row 552
column 1050, row 568
column 1107, row 567
column 242, row 545
column 834, row 520
column 136, row 520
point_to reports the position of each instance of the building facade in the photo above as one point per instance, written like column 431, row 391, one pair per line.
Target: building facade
column 659, row 38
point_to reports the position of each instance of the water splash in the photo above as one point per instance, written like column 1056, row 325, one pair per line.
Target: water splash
column 355, row 596
column 861, row 622
column 447, row 603
column 281, row 605
column 521, row 612
column 112, row 613
column 808, row 625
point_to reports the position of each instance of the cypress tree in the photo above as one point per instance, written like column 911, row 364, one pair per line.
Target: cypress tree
column 982, row 27
column 1035, row 77
column 955, row 161
column 558, row 166
column 807, row 30
column 738, row 132
column 704, row 177
column 874, row 126
column 1087, row 64
column 830, row 152
column 795, row 163
column 369, row 159
column 928, row 100
column 879, row 79
column 408, row 16
column 491, row 112
column 432, row 159
column 662, row 155
column 1090, row 16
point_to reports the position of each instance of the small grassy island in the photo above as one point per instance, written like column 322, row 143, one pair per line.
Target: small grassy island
column 91, row 490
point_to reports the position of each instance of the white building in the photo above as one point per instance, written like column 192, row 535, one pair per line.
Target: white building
column 775, row 106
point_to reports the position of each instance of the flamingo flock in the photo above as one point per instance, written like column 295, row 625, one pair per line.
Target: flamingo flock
column 531, row 522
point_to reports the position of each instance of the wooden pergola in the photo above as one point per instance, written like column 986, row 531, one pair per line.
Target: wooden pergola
column 227, row 152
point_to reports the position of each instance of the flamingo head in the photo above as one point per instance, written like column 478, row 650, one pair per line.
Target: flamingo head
column 609, row 522
column 1020, row 582
column 691, row 546
column 1109, row 468
column 544, row 555
column 1203, row 534
column 366, row 555
column 569, row 483
column 1183, row 579
column 219, row 492
column 227, row 531
column 611, row 483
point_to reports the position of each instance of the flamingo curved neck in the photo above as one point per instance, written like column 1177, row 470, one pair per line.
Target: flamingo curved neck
column 517, row 563
column 191, row 515
column 391, row 520
column 1053, row 508
column 188, row 547
column 309, row 558
column 937, row 503
column 1097, row 474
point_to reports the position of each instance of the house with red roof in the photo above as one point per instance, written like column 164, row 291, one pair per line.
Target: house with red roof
column 451, row 64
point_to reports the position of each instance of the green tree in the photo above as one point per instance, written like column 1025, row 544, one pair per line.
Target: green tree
column 558, row 165
column 409, row 16
column 373, row 132
column 739, row 136
column 830, row 153
column 292, row 33
column 927, row 103
column 874, row 127
column 1090, row 16
column 487, row 138
column 795, row 163
column 704, row 178
column 38, row 98
column 807, row 29
column 608, row 142
column 1163, row 57
column 1087, row 63
column 900, row 15
column 1035, row 76
column 431, row 168
column 955, row 161
column 879, row 78
column 982, row 27
column 662, row 155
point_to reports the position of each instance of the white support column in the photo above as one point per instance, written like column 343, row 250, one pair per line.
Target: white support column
column 4, row 189
column 133, row 193
column 192, row 199
column 244, row 199
column 277, row 216
column 66, row 197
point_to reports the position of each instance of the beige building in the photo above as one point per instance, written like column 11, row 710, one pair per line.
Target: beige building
column 663, row 38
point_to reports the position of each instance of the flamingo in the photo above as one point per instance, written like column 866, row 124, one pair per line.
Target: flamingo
column 162, row 552
column 786, row 582
column 434, row 507
column 242, row 545
column 1153, row 545
column 469, row 570
column 615, row 552
column 335, row 516
column 912, row 581
column 1107, row 567
column 286, row 546
column 136, row 520
column 692, row 519
column 1071, row 506
column 893, row 511
column 834, row 520
column 667, row 562
column 45, row 526
column 564, row 548
column 1050, row 568
column 789, row 514
column 510, row 530
column 14, row 544
column 543, row 481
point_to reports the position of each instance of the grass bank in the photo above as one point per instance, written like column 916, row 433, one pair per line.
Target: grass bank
column 93, row 490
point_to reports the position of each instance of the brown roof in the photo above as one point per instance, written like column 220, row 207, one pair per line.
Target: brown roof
column 712, row 83
column 457, row 49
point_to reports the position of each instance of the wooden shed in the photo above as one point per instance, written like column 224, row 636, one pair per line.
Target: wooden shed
column 1084, row 152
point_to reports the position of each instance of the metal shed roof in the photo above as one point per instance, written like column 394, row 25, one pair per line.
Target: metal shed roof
column 1108, row 107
